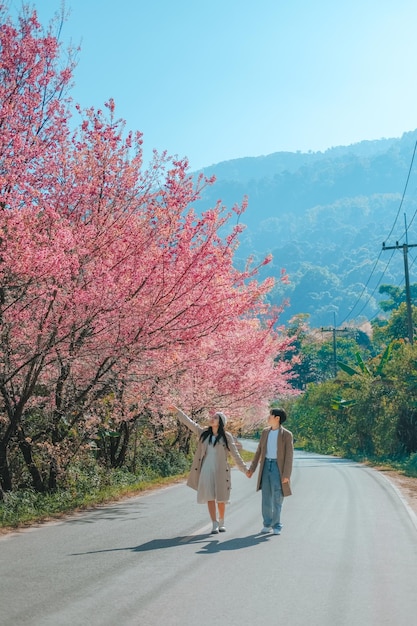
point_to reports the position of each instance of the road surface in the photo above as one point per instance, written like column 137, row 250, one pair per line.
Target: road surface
column 347, row 556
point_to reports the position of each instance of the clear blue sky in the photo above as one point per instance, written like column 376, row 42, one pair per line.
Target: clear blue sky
column 225, row 79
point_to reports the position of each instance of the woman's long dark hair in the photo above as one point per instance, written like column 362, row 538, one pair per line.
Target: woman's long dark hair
column 220, row 434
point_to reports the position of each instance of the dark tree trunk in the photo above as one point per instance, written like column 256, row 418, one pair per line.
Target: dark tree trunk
column 26, row 450
column 5, row 476
column 53, row 476
column 119, row 446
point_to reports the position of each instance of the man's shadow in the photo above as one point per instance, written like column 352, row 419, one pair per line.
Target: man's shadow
column 238, row 543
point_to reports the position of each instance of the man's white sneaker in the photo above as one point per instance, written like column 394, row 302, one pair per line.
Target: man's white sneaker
column 265, row 530
column 215, row 528
column 277, row 531
column 222, row 527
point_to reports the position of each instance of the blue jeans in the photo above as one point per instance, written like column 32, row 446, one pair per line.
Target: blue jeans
column 272, row 497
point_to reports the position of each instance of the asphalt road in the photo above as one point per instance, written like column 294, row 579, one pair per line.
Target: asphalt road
column 347, row 556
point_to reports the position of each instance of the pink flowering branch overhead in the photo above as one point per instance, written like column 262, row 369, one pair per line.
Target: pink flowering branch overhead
column 114, row 291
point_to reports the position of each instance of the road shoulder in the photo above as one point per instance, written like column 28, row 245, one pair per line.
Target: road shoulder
column 406, row 485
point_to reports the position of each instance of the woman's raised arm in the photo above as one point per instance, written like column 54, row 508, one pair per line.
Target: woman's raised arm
column 187, row 421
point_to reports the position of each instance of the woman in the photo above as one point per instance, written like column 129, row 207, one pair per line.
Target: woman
column 210, row 472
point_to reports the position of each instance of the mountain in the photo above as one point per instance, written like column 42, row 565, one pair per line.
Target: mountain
column 324, row 217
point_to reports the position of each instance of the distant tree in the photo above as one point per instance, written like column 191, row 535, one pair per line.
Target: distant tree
column 403, row 371
column 304, row 365
column 396, row 327
column 397, row 295
column 314, row 355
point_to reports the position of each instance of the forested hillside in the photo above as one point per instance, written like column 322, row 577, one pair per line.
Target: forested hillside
column 324, row 217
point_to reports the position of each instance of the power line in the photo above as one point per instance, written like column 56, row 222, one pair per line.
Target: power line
column 404, row 192
column 405, row 247
column 379, row 256
column 401, row 282
column 334, row 332
column 365, row 286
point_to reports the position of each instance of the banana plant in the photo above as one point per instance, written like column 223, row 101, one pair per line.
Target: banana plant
column 364, row 369
column 340, row 404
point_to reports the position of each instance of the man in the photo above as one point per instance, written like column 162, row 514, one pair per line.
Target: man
column 274, row 453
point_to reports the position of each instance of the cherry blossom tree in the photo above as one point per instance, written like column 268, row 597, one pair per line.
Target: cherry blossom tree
column 32, row 124
column 115, row 293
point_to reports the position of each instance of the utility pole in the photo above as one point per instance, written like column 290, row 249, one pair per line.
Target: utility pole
column 334, row 331
column 405, row 247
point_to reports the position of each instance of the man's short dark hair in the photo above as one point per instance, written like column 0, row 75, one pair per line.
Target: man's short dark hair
column 279, row 413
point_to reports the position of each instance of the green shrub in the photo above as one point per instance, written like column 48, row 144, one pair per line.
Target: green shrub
column 411, row 465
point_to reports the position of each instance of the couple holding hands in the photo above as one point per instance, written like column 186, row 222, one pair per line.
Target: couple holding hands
column 210, row 473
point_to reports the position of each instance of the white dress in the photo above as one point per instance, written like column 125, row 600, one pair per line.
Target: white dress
column 207, row 483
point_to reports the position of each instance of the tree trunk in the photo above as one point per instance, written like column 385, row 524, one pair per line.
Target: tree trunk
column 119, row 446
column 5, row 476
column 53, row 476
column 125, row 438
column 26, row 450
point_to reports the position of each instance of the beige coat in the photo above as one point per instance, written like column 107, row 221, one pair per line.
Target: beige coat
column 223, row 472
column 284, row 457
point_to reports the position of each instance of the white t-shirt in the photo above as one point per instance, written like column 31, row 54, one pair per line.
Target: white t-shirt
column 272, row 444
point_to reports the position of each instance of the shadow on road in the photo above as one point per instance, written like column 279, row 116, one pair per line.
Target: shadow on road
column 211, row 544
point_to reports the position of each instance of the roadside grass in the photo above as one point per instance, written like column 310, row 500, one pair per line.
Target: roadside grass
column 406, row 466
column 88, row 489
column 26, row 507
column 403, row 464
column 246, row 456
